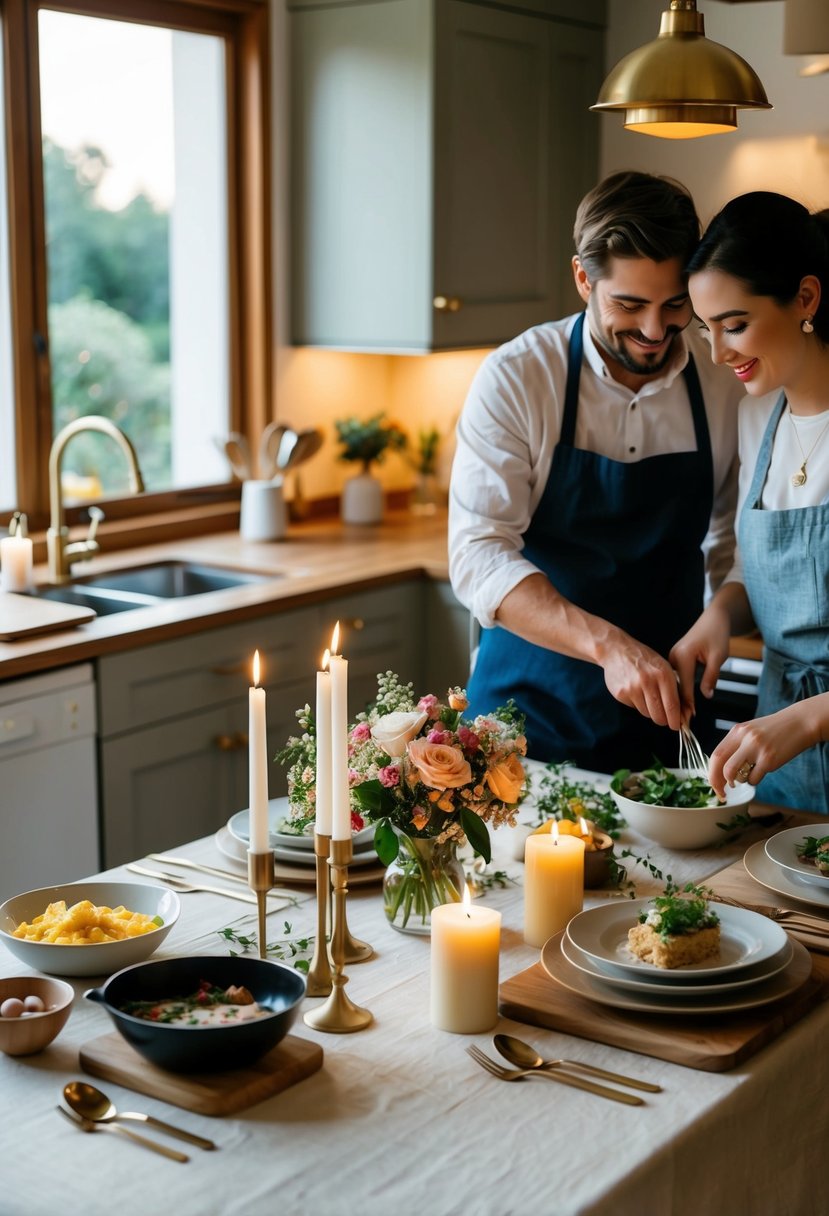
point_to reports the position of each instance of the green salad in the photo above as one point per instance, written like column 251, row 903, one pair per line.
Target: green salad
column 660, row 787
column 679, row 911
column 815, row 850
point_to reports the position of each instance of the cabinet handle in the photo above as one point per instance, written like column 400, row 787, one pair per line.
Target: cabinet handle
column 447, row 304
column 234, row 669
column 226, row 743
column 356, row 623
column 241, row 739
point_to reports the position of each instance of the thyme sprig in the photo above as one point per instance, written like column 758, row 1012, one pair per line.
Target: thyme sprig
column 563, row 797
column 296, row 950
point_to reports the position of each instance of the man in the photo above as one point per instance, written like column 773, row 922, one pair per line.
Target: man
column 594, row 480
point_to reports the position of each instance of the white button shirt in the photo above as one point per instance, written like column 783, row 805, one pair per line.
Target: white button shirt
column 510, row 426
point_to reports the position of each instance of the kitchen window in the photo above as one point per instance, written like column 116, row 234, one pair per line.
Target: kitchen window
column 137, row 228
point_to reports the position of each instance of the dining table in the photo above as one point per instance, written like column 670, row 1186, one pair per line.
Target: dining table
column 400, row 1119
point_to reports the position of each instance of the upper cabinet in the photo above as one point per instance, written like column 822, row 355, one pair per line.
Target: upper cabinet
column 439, row 151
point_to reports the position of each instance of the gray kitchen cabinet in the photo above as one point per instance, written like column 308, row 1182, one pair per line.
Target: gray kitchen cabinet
column 446, row 657
column 174, row 715
column 439, row 151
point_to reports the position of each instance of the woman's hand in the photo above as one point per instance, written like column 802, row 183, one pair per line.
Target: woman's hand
column 705, row 644
column 750, row 750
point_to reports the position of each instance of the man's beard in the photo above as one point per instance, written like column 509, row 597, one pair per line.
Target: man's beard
column 639, row 367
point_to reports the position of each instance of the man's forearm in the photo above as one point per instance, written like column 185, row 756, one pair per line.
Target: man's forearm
column 537, row 612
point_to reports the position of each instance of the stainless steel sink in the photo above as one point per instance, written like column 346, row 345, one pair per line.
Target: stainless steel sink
column 146, row 586
column 173, row 579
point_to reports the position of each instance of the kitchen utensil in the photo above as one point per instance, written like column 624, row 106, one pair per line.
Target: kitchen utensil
column 286, row 446
column 691, row 756
column 186, row 887
column 185, row 863
column 90, row 1103
column 86, row 1125
column 269, row 448
column 307, row 445
column 263, row 515
column 524, row 1056
column 210, row 1048
column 786, row 917
column 237, row 450
column 565, row 1078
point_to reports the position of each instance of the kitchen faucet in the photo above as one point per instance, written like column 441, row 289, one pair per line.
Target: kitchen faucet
column 61, row 554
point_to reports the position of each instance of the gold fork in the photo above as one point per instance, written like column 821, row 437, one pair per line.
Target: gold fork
column 781, row 916
column 564, row 1078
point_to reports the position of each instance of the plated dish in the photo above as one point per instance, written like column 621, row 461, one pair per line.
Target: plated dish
column 759, row 866
column 295, row 849
column 746, row 939
column 360, row 872
column 664, row 1000
column 782, row 850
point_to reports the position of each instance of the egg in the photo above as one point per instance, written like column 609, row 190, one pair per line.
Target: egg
column 12, row 1007
column 33, row 1004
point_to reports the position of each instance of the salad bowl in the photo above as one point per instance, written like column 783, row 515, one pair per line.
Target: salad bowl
column 680, row 827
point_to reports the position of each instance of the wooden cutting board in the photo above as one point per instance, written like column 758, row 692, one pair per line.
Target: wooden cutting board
column 712, row 1042
column 221, row 1093
column 21, row 616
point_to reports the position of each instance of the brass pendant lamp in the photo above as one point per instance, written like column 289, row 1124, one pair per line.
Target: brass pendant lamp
column 682, row 85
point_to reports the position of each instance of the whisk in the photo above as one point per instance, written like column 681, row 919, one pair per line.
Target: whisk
column 692, row 759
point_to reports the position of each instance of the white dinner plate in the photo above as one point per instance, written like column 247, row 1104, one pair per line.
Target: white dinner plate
column 746, row 938
column 752, row 975
column 762, row 869
column 782, row 850
column 788, row 980
column 360, row 872
column 294, row 849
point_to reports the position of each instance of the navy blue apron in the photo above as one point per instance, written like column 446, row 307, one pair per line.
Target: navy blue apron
column 622, row 541
column 785, row 556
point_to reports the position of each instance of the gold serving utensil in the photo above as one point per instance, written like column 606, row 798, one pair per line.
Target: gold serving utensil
column 181, row 884
column 524, row 1056
column 91, row 1104
column 185, row 863
column 782, row 916
column 564, row 1078
column 86, row 1125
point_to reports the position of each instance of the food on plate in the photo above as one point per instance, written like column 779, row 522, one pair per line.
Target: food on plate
column 814, row 850
column 678, row 930
column 207, row 1006
column 14, row 1007
column 658, row 786
column 84, row 924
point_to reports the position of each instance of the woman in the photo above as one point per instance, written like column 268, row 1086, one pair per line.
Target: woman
column 759, row 283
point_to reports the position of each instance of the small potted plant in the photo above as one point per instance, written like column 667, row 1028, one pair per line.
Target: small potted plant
column 424, row 461
column 366, row 442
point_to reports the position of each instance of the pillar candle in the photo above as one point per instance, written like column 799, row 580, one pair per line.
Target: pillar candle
column 258, row 761
column 464, row 968
column 340, row 806
column 16, row 557
column 553, row 885
column 322, row 824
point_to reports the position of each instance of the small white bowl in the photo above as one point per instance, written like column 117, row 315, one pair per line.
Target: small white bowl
column 681, row 827
column 97, row 958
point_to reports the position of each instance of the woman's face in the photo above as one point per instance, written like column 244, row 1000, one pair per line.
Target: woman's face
column 760, row 340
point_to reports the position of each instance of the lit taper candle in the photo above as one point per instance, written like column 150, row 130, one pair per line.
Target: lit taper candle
column 258, row 760
column 322, row 822
column 341, row 809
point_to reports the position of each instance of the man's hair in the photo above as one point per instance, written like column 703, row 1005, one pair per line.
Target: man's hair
column 635, row 215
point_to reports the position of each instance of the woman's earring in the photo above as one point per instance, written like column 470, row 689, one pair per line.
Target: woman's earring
column 806, row 325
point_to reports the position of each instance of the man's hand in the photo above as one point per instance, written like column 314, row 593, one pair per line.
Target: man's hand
column 639, row 677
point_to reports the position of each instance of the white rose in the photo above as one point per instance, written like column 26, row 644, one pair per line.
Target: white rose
column 393, row 731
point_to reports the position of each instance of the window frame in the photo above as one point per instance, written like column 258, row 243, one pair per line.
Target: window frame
column 245, row 27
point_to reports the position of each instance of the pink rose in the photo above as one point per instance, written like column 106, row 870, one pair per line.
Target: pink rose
column 354, row 777
column 440, row 767
column 438, row 736
column 469, row 740
column 357, row 822
column 389, row 776
column 429, row 705
column 361, row 732
column 506, row 780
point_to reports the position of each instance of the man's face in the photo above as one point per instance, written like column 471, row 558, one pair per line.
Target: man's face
column 636, row 312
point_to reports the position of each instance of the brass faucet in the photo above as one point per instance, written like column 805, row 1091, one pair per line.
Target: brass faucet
column 61, row 554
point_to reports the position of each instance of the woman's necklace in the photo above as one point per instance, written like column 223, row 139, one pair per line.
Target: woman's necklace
column 799, row 478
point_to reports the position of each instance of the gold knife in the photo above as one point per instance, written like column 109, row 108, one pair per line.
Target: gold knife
column 185, row 862
column 183, row 884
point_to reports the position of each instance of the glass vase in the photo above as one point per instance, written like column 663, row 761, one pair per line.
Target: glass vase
column 425, row 494
column 424, row 875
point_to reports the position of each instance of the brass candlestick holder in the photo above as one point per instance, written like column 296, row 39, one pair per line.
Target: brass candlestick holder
column 260, row 880
column 319, row 973
column 339, row 1015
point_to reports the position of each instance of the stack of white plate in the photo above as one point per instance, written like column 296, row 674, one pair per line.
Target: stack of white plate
column 293, row 850
column 757, row 963
column 776, row 864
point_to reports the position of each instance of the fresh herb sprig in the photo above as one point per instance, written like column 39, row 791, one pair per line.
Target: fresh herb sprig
column 296, row 950
column 563, row 797
column 681, row 910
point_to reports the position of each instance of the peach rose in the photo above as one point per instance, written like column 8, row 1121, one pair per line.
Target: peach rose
column 393, row 731
column 439, row 766
column 506, row 780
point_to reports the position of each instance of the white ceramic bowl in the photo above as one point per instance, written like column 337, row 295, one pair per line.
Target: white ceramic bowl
column 98, row 958
column 680, row 827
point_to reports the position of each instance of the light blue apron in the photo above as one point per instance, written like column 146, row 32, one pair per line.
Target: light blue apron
column 622, row 541
column 785, row 557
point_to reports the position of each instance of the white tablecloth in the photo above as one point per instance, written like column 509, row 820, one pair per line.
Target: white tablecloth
column 400, row 1120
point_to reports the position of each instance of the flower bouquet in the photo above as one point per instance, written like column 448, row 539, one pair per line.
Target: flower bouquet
column 429, row 780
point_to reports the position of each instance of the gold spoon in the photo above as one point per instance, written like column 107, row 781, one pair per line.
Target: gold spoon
column 90, row 1103
column 87, row 1125
column 524, row 1056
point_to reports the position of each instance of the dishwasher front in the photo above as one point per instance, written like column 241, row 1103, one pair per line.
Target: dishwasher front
column 48, row 780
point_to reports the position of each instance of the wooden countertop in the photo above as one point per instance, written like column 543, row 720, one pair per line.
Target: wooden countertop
column 315, row 560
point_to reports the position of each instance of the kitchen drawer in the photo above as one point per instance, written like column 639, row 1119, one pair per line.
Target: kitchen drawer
column 172, row 679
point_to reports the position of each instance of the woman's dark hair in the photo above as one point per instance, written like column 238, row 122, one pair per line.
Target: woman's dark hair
column 634, row 215
column 770, row 243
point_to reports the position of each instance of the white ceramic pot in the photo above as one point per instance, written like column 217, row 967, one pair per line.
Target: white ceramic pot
column 362, row 500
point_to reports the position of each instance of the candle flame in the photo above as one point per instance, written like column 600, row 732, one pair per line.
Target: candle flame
column 326, row 656
column 583, row 828
column 335, row 639
column 256, row 669
column 554, row 831
column 466, row 900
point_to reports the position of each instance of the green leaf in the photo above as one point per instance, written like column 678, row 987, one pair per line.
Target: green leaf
column 476, row 833
column 373, row 796
column 386, row 842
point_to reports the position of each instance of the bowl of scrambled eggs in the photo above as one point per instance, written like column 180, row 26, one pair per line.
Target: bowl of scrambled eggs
column 88, row 928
